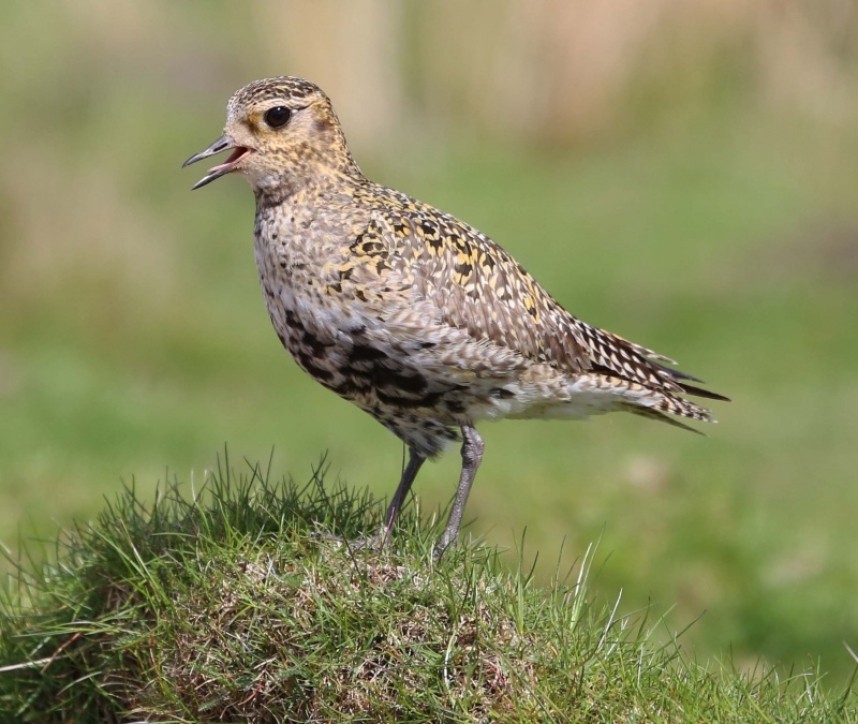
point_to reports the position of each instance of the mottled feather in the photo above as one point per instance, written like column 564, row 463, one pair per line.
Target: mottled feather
column 413, row 315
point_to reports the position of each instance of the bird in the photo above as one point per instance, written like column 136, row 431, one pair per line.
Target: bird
column 414, row 316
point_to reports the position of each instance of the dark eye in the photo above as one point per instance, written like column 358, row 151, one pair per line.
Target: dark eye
column 277, row 116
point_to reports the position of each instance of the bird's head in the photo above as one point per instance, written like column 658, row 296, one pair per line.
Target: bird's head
column 281, row 132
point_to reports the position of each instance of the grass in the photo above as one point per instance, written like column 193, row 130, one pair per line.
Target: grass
column 236, row 603
column 722, row 256
column 719, row 230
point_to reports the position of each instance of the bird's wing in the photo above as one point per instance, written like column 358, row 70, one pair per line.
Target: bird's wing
column 438, row 272
column 460, row 278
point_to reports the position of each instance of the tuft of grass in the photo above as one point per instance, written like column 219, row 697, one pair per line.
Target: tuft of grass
column 241, row 601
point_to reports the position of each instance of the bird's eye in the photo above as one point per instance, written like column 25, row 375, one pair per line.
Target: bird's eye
column 278, row 116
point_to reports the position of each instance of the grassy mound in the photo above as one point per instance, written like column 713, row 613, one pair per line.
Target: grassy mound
column 240, row 603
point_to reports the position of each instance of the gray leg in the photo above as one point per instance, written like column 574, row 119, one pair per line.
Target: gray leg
column 415, row 460
column 472, row 455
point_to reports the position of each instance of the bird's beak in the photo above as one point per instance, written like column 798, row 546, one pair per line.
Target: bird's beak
column 222, row 144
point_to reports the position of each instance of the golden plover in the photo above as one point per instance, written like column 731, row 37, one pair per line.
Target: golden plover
column 416, row 317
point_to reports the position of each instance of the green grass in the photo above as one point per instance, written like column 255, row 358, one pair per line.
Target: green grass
column 705, row 244
column 233, row 601
column 719, row 230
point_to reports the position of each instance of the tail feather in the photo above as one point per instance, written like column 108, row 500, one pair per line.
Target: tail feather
column 675, row 373
column 653, row 414
column 615, row 357
column 700, row 392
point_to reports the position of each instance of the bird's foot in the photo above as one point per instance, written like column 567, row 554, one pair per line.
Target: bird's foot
column 444, row 542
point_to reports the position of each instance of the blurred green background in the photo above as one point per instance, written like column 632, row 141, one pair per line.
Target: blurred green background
column 683, row 174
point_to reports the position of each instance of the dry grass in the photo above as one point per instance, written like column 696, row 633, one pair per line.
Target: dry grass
column 707, row 152
column 239, row 605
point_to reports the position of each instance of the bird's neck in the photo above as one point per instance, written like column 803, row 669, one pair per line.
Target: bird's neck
column 321, row 183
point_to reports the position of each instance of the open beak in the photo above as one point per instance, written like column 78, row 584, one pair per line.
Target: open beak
column 222, row 144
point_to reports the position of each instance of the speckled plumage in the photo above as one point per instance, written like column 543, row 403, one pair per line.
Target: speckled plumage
column 416, row 317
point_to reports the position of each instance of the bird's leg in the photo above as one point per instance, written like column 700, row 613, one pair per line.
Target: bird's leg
column 382, row 537
column 472, row 455
column 415, row 460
